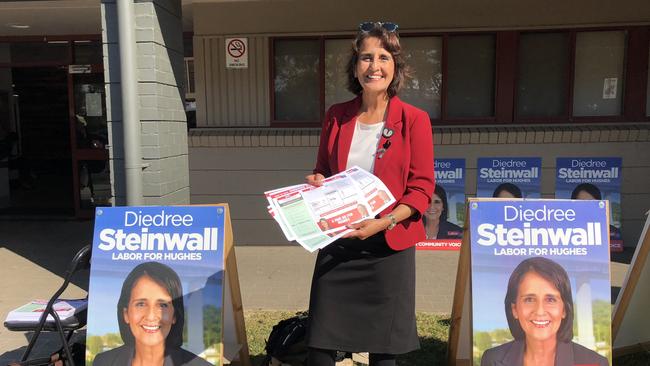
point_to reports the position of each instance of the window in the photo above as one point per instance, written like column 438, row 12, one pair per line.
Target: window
column 337, row 53
column 542, row 77
column 470, row 76
column 423, row 90
column 547, row 76
column 598, row 78
column 296, row 83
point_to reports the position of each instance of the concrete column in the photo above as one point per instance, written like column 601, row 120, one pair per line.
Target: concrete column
column 160, row 70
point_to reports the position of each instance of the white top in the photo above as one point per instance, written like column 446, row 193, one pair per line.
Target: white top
column 364, row 145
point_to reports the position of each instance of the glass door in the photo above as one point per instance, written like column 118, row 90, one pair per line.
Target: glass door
column 89, row 136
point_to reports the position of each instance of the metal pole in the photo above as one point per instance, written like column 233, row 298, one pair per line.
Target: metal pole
column 130, row 113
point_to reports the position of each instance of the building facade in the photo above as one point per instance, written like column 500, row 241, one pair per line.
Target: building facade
column 505, row 78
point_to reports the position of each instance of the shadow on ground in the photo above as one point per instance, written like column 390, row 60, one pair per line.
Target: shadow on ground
column 47, row 344
column 49, row 244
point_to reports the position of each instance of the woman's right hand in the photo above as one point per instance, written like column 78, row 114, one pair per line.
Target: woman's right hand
column 315, row 180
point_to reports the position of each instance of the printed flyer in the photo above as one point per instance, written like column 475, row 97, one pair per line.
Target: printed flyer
column 444, row 219
column 509, row 177
column 593, row 179
column 156, row 285
column 541, row 267
column 317, row 216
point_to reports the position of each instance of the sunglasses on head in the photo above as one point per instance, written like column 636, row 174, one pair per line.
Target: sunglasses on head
column 366, row 27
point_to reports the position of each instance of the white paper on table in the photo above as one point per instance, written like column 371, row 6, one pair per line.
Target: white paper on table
column 33, row 310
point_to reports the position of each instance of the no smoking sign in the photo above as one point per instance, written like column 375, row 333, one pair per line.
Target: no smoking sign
column 236, row 53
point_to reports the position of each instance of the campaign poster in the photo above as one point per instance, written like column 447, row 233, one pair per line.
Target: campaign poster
column 509, row 177
column 156, row 285
column 445, row 218
column 540, row 276
column 594, row 179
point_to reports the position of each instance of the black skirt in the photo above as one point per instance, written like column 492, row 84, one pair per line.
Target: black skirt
column 363, row 298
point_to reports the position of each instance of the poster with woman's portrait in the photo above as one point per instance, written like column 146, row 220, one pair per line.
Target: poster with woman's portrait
column 445, row 217
column 593, row 179
column 513, row 177
column 540, row 282
column 156, row 286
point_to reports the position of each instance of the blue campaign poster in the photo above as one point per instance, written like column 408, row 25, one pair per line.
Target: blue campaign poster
column 509, row 177
column 156, row 285
column 541, row 268
column 593, row 178
column 445, row 217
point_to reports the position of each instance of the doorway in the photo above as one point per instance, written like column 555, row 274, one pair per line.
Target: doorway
column 41, row 174
column 53, row 128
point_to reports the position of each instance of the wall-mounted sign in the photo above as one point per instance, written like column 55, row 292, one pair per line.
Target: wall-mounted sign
column 236, row 53
column 79, row 69
column 511, row 177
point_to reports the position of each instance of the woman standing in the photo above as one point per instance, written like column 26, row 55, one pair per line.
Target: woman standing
column 363, row 288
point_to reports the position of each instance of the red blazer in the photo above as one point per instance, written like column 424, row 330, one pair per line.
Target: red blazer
column 406, row 167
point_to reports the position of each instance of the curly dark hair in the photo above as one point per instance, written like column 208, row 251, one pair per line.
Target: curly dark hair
column 390, row 41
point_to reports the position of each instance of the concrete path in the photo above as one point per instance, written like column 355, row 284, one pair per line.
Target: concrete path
column 34, row 256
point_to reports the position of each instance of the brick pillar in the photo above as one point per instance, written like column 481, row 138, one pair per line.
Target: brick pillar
column 159, row 37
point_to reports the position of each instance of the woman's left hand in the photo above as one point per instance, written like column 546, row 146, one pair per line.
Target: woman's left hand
column 366, row 228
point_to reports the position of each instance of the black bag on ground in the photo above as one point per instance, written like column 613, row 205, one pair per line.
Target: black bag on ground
column 287, row 341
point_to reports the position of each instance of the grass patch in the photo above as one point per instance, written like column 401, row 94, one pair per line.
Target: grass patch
column 258, row 327
column 432, row 329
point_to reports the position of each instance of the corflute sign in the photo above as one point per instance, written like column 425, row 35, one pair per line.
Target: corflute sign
column 593, row 179
column 509, row 177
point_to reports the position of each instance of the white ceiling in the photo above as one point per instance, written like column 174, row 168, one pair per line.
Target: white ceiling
column 60, row 17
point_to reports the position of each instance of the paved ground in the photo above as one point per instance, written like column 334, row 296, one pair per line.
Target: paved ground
column 34, row 255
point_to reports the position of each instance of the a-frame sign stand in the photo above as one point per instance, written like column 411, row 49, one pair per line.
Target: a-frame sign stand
column 235, row 344
column 630, row 322
column 459, row 350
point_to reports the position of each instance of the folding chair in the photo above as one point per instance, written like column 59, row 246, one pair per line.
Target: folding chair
column 80, row 261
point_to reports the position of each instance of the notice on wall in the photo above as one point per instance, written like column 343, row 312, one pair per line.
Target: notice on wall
column 509, row 177
column 236, row 53
column 593, row 179
column 94, row 105
column 540, row 276
column 609, row 88
column 157, row 282
column 444, row 219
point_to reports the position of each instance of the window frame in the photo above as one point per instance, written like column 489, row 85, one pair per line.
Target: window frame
column 507, row 43
column 599, row 119
column 321, row 78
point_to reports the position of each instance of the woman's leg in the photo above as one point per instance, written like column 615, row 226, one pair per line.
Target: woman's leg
column 382, row 359
column 321, row 357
